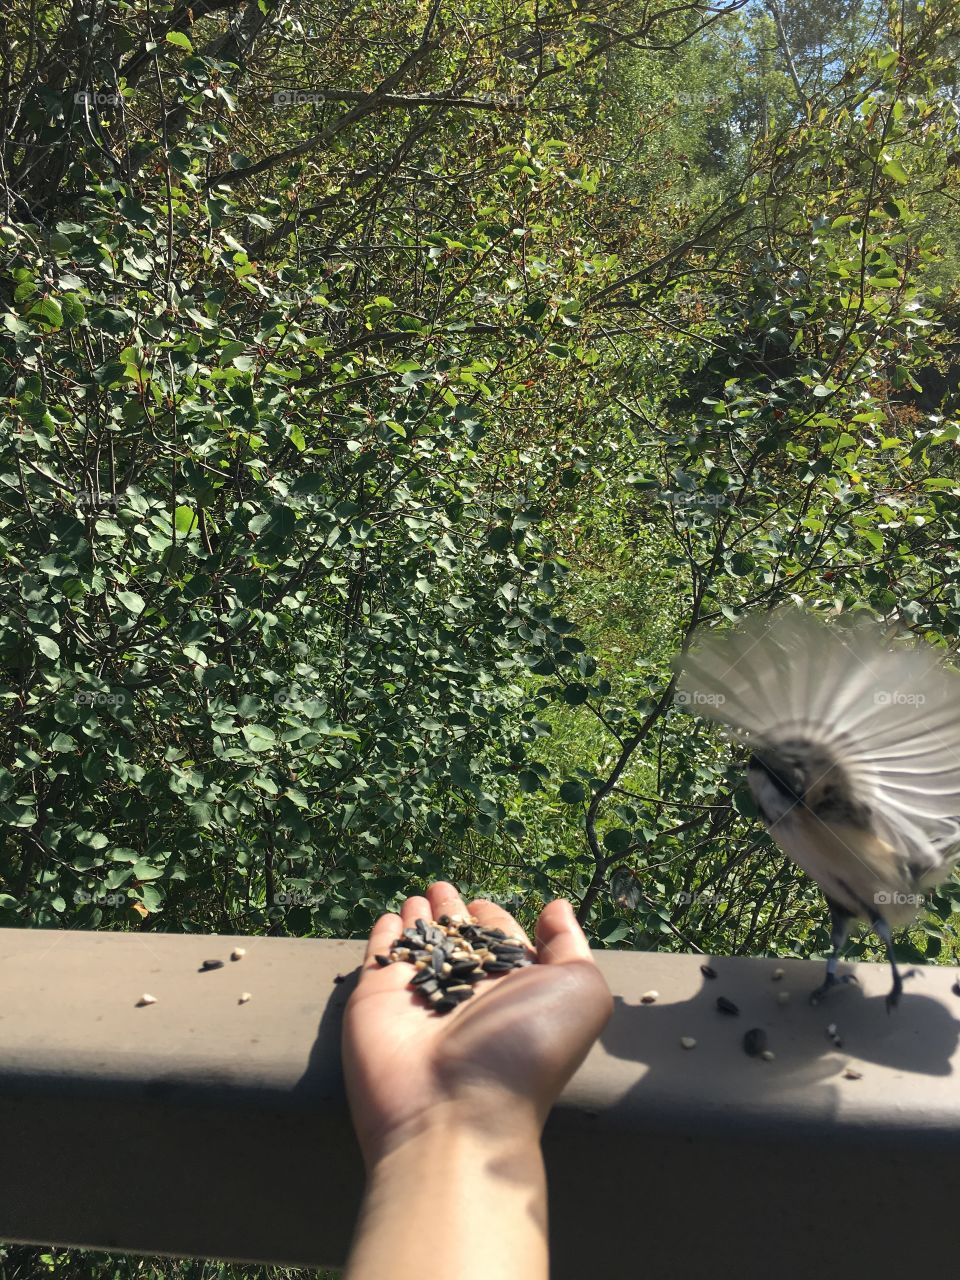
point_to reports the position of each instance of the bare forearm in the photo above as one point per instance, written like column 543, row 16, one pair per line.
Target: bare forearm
column 457, row 1192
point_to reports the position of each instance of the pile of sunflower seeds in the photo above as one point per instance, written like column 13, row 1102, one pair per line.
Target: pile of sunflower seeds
column 449, row 956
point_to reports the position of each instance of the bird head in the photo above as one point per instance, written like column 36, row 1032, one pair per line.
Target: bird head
column 785, row 770
column 802, row 771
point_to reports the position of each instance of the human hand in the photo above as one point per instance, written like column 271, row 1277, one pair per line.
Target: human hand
column 500, row 1058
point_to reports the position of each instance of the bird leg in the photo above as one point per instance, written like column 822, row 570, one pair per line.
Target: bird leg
column 882, row 930
column 839, row 929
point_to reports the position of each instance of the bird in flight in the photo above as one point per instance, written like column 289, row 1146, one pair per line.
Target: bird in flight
column 854, row 764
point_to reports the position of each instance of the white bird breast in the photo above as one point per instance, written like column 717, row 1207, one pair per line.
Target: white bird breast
column 854, row 867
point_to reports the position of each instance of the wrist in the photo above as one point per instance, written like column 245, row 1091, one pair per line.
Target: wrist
column 486, row 1124
column 475, row 1195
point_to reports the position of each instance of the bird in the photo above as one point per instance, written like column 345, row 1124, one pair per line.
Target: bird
column 854, row 764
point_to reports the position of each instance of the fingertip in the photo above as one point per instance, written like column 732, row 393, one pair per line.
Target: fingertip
column 386, row 931
column 559, row 936
column 445, row 899
column 445, row 889
column 415, row 908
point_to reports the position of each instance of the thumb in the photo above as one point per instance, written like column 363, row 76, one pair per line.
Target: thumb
column 559, row 937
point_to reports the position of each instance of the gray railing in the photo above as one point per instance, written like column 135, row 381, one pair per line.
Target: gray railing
column 202, row 1126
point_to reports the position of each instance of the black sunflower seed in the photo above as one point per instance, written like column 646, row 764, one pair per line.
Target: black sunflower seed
column 421, row 928
column 211, row 964
column 956, row 987
column 382, row 960
column 726, row 1006
column 755, row 1041
column 463, row 968
column 436, row 960
column 707, row 971
column 444, row 1006
column 507, row 952
column 496, row 966
column 461, row 991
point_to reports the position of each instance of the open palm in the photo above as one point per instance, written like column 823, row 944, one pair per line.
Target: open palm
column 515, row 1043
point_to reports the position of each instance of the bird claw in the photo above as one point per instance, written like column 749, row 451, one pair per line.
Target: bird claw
column 832, row 980
column 896, row 991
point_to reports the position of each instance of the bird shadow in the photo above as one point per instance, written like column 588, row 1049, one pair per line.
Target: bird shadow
column 813, row 1047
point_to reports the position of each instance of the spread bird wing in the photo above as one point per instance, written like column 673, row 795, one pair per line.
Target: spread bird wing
column 889, row 715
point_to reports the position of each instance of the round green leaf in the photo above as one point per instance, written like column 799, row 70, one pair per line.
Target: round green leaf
column 259, row 737
column 618, row 840
column 48, row 647
column 572, row 792
column 131, row 601
column 575, row 694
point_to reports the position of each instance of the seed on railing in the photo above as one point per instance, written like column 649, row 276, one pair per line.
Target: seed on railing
column 768, row 1055
column 726, row 1006
column 783, row 997
column 688, row 1042
column 834, row 1035
column 145, row 1000
column 244, row 997
column 650, row 997
column 210, row 964
column 777, row 974
column 851, row 1073
column 238, row 953
column 755, row 1041
column 708, row 971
